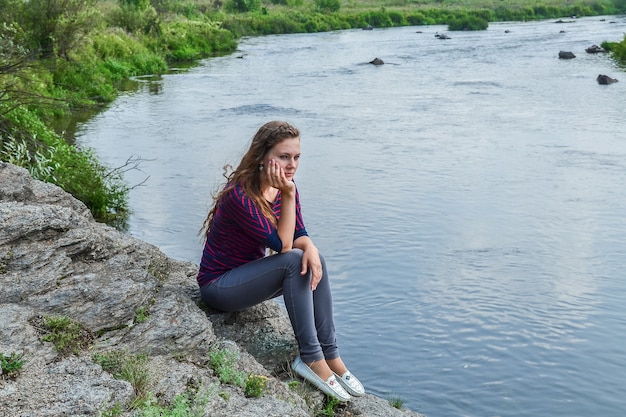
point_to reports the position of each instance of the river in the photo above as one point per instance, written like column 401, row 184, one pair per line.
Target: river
column 468, row 196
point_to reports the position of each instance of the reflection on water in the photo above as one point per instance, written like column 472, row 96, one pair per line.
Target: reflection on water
column 467, row 195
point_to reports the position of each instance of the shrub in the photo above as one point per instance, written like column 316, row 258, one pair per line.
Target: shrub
column 486, row 15
column 50, row 158
column 397, row 18
column 110, row 56
column 242, row 6
column 133, row 18
column 542, row 11
column 357, row 20
column 317, row 24
column 255, row 385
column 617, row 49
column 190, row 40
column 379, row 19
column 224, row 363
column 416, row 18
column 328, row 6
column 467, row 22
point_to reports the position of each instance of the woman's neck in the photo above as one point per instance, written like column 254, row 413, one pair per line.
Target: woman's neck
column 270, row 193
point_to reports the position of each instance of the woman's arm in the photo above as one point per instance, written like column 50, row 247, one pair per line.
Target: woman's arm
column 287, row 219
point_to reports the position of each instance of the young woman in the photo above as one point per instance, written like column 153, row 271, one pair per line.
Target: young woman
column 259, row 208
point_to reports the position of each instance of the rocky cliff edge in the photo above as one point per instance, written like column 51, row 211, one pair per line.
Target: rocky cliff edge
column 129, row 299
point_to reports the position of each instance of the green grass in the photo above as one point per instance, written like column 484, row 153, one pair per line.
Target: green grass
column 277, row 19
column 457, row 4
column 5, row 260
column 11, row 364
column 115, row 410
column 224, row 364
column 128, row 367
column 68, row 336
column 141, row 314
column 396, row 402
column 183, row 405
column 329, row 408
column 134, row 369
column 618, row 50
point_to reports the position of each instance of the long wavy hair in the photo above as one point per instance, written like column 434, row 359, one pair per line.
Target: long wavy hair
column 248, row 174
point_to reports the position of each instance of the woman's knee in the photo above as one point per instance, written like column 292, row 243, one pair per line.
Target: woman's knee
column 293, row 257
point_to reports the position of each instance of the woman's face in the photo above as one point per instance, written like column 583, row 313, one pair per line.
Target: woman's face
column 287, row 155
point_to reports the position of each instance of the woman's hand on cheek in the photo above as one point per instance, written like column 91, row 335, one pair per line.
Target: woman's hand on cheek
column 277, row 179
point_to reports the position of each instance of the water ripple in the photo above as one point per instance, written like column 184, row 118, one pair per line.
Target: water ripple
column 468, row 200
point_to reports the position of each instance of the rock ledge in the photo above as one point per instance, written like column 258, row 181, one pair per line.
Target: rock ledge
column 56, row 261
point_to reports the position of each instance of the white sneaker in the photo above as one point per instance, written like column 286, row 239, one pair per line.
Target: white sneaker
column 329, row 387
column 351, row 384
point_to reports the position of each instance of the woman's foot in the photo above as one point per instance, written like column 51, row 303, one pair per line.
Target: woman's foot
column 321, row 368
column 351, row 384
column 329, row 385
column 337, row 366
column 348, row 381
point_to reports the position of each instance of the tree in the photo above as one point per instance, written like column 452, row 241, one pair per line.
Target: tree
column 57, row 25
column 9, row 9
column 13, row 58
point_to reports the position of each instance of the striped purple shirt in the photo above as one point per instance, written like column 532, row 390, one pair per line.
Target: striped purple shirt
column 240, row 233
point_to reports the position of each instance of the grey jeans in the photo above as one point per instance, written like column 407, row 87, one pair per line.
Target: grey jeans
column 310, row 312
